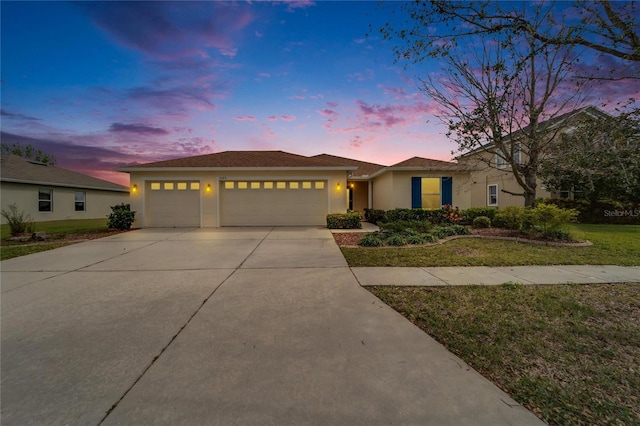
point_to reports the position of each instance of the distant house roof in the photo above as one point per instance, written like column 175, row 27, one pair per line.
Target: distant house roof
column 243, row 160
column 21, row 170
column 548, row 124
column 364, row 169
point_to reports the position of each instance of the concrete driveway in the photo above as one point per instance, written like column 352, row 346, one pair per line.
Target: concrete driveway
column 229, row 326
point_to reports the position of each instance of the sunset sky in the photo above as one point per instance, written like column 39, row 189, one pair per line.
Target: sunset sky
column 103, row 84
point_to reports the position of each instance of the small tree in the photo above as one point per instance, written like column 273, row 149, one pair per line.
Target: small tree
column 121, row 217
column 600, row 159
column 18, row 222
column 28, row 151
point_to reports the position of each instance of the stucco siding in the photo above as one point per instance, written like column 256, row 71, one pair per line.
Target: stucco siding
column 25, row 196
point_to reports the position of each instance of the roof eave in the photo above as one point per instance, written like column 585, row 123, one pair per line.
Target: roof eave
column 63, row 185
column 232, row 169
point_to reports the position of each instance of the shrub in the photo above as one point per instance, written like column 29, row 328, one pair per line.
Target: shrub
column 416, row 239
column 601, row 211
column 371, row 240
column 374, row 215
column 18, row 222
column 511, row 217
column 396, row 240
column 429, row 238
column 549, row 218
column 344, row 220
column 121, row 217
column 471, row 213
column 406, row 226
column 406, row 214
column 481, row 222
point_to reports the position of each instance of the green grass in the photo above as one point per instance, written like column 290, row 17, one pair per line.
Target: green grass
column 612, row 245
column 56, row 232
column 8, row 252
column 569, row 353
column 62, row 226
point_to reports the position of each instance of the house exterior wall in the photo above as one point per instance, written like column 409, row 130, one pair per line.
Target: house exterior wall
column 25, row 196
column 480, row 180
column 383, row 196
column 393, row 189
column 210, row 188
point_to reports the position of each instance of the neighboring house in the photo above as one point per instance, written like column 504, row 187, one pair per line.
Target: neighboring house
column 492, row 182
column 51, row 193
column 264, row 188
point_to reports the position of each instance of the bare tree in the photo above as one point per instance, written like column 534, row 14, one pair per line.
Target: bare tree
column 495, row 96
column 437, row 26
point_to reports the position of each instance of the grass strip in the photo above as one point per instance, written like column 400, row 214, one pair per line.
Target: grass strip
column 569, row 353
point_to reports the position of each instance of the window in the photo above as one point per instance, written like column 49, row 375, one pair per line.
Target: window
column 281, row 185
column 228, row 185
column 501, row 161
column 255, row 185
column 517, row 154
column 242, row 185
column 45, row 200
column 319, row 185
column 492, row 195
column 430, row 193
column 155, row 186
column 195, row 186
column 182, row 186
column 294, row 185
column 268, row 185
column 168, row 186
column 306, row 185
column 80, row 200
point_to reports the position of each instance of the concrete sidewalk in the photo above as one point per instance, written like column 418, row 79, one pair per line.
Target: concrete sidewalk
column 484, row 275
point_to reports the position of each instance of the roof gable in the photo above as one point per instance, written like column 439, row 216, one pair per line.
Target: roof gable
column 17, row 169
column 364, row 168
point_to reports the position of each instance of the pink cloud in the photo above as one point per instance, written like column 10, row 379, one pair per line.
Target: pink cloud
column 288, row 117
column 272, row 118
column 327, row 112
column 245, row 118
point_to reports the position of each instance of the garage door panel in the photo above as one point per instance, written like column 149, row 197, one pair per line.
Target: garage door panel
column 173, row 208
column 275, row 207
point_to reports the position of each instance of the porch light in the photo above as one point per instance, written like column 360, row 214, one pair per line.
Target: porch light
column 338, row 186
column 134, row 188
column 208, row 187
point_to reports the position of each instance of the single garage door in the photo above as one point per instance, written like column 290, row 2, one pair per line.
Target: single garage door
column 172, row 204
column 273, row 203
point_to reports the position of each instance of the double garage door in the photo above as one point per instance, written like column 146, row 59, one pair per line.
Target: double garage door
column 242, row 203
column 273, row 203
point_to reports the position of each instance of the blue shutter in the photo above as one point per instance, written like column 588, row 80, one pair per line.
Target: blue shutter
column 447, row 190
column 416, row 192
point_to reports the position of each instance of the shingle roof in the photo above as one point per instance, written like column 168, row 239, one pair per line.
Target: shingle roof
column 420, row 163
column 364, row 168
column 21, row 170
column 242, row 159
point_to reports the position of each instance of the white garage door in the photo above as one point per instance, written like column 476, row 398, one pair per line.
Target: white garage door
column 273, row 203
column 172, row 204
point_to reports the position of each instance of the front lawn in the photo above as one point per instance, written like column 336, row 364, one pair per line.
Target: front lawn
column 569, row 353
column 59, row 233
column 612, row 245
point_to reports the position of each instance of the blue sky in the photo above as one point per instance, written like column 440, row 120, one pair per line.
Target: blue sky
column 104, row 84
